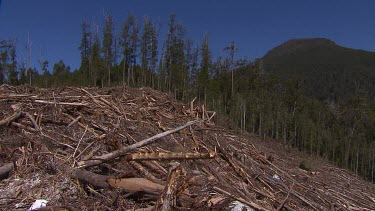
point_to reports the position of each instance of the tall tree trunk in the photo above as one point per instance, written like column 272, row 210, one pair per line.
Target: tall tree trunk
column 260, row 125
column 129, row 75
column 109, row 75
column 123, row 72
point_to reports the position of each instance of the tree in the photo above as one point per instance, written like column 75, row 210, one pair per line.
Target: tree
column 134, row 44
column 96, row 63
column 154, row 50
column 232, row 50
column 8, row 62
column 107, row 46
column 22, row 72
column 205, row 68
column 128, row 36
column 12, row 67
column 174, row 61
column 85, row 49
column 60, row 73
column 148, row 49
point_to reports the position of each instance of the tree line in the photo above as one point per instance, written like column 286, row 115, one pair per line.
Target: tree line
column 242, row 92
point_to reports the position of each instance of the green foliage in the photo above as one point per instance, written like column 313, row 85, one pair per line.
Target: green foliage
column 8, row 63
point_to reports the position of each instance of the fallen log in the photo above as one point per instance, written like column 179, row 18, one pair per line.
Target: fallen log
column 58, row 207
column 96, row 180
column 170, row 156
column 16, row 124
column 126, row 184
column 106, row 157
column 9, row 119
column 136, row 185
column 60, row 103
column 175, row 185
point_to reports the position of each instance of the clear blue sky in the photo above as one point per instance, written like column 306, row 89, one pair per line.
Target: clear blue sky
column 256, row 26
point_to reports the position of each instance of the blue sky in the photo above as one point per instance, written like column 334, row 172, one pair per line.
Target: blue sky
column 256, row 26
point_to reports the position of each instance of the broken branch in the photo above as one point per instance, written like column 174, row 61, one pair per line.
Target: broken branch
column 170, row 156
column 100, row 159
column 9, row 119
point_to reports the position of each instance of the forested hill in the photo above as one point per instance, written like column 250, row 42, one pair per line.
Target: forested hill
column 327, row 70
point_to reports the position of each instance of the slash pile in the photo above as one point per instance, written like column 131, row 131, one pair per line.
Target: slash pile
column 138, row 149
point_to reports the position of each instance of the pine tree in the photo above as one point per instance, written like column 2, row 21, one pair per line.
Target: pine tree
column 85, row 49
column 96, row 63
column 205, row 69
column 8, row 63
column 4, row 58
column 174, row 63
column 61, row 73
column 107, row 46
column 12, row 66
column 134, row 44
column 126, row 44
column 146, row 48
column 154, row 51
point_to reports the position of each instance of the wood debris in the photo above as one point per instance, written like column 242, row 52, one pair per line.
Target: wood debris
column 109, row 149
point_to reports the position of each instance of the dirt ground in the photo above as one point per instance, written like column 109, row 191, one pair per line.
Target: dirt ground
column 69, row 145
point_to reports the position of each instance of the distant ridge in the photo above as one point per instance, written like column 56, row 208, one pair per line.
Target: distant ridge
column 293, row 45
column 327, row 70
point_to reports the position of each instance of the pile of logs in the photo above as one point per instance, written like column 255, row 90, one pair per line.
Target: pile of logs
column 138, row 149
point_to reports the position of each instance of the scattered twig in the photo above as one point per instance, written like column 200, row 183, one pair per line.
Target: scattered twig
column 33, row 121
column 251, row 204
column 286, row 198
column 74, row 121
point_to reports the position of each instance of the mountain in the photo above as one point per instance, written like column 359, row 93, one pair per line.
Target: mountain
column 328, row 71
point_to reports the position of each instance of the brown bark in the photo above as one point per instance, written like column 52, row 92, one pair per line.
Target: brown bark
column 175, row 185
column 106, row 157
column 11, row 118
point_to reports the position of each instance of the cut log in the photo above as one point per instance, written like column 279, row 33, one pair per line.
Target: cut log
column 170, row 156
column 96, row 180
column 60, row 103
column 175, row 185
column 136, row 185
column 106, row 157
column 9, row 119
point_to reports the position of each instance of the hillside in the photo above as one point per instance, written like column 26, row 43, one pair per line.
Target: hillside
column 328, row 71
column 90, row 149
